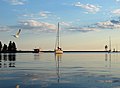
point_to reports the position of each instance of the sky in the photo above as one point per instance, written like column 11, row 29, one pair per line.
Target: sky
column 84, row 24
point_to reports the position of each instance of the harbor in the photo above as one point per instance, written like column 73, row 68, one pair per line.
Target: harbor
column 59, row 43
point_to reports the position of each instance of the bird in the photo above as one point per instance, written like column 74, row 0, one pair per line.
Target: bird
column 17, row 34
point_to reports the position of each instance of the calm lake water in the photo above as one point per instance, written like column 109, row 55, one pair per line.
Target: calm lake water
column 70, row 70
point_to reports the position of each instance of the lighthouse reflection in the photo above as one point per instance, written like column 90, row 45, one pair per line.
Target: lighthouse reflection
column 7, row 60
column 58, row 58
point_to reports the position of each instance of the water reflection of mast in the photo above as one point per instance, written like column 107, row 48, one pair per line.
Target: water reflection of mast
column 108, row 59
column 0, row 60
column 57, row 61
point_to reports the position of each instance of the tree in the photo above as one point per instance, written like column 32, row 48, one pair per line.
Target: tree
column 10, row 46
column 4, row 48
column 0, row 46
column 14, row 46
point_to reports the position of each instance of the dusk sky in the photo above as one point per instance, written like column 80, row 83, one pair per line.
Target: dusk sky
column 84, row 24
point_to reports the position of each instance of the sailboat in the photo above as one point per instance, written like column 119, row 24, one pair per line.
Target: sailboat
column 58, row 49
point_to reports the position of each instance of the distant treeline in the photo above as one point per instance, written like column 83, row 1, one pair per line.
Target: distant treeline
column 8, row 48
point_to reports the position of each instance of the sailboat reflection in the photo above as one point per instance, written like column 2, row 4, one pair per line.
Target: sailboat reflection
column 0, row 60
column 36, row 56
column 108, row 59
column 58, row 58
column 7, row 60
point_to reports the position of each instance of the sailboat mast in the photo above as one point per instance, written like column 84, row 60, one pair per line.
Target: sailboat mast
column 58, row 36
column 109, row 43
column 58, row 49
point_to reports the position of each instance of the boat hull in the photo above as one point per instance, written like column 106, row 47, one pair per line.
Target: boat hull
column 58, row 52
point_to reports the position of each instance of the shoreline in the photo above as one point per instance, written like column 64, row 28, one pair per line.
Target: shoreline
column 63, row 51
column 84, row 51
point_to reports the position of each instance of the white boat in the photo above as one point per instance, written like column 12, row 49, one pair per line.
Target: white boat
column 58, row 49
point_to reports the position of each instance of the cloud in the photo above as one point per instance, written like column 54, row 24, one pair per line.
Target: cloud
column 82, row 29
column 65, row 24
column 116, row 12
column 45, row 14
column 89, row 7
column 49, row 15
column 40, row 15
column 117, row 0
column 41, row 26
column 28, row 15
column 37, row 26
column 16, row 2
column 4, row 28
column 31, row 25
column 112, row 24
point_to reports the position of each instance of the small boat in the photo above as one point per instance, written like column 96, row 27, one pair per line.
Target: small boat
column 58, row 49
column 36, row 51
